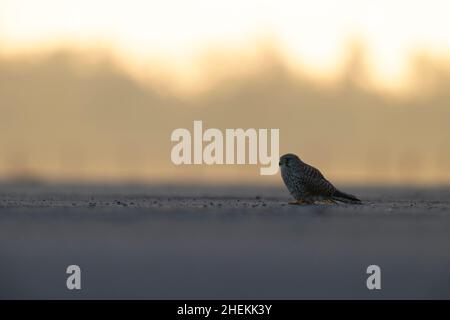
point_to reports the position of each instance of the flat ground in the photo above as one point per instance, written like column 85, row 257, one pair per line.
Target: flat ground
column 165, row 242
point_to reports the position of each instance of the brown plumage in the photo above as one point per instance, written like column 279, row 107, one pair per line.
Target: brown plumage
column 307, row 184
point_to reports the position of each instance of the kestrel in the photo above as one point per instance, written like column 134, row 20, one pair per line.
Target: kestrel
column 307, row 185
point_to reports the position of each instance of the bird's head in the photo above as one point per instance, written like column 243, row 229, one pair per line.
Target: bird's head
column 289, row 159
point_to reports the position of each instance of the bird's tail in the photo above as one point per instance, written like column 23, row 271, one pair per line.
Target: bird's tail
column 345, row 197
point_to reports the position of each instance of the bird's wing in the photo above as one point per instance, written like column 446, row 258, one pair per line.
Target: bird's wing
column 316, row 182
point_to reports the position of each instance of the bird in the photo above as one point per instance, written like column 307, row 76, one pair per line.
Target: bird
column 308, row 185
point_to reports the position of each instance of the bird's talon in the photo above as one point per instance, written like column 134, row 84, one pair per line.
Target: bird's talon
column 298, row 202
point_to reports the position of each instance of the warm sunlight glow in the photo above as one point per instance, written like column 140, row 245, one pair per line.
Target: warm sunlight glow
column 313, row 35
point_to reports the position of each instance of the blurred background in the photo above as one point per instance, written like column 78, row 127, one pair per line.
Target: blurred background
column 90, row 91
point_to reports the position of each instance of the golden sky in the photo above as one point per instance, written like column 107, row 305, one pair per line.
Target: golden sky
column 64, row 116
column 312, row 35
